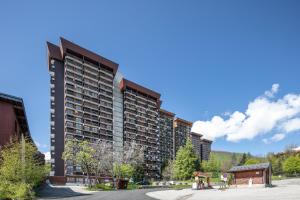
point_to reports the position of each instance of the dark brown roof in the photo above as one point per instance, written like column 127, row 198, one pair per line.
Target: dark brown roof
column 126, row 83
column 20, row 112
column 167, row 112
column 67, row 46
column 197, row 134
column 53, row 52
column 250, row 167
column 179, row 120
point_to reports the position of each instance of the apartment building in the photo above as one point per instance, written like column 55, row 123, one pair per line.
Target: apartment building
column 141, row 107
column 81, row 93
column 202, row 147
column 166, row 131
column 91, row 100
column 182, row 129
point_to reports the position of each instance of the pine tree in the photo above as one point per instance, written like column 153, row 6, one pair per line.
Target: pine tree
column 233, row 159
column 243, row 159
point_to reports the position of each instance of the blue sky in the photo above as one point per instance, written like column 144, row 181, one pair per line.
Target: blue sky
column 206, row 58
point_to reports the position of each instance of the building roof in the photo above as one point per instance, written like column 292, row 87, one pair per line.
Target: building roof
column 196, row 134
column 19, row 108
column 250, row 167
column 58, row 52
column 179, row 120
column 126, row 83
column 167, row 112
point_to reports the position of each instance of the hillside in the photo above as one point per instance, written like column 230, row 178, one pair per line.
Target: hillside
column 224, row 156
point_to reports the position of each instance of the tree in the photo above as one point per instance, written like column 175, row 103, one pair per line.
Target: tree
column 277, row 167
column 167, row 172
column 276, row 162
column 243, row 160
column 125, row 171
column 252, row 161
column 103, row 157
column 80, row 153
column 291, row 165
column 211, row 166
column 185, row 162
column 132, row 154
column 290, row 148
column 234, row 159
column 20, row 171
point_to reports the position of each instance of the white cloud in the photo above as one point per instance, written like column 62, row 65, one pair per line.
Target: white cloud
column 275, row 138
column 47, row 156
column 297, row 149
column 274, row 90
column 263, row 115
column 292, row 125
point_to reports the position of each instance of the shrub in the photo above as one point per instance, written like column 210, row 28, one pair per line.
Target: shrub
column 291, row 165
column 19, row 173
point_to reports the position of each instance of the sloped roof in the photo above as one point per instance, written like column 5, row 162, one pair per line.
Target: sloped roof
column 58, row 52
column 250, row 167
column 19, row 109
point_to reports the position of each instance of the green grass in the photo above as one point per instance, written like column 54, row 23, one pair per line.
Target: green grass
column 133, row 186
column 179, row 187
column 109, row 187
column 101, row 186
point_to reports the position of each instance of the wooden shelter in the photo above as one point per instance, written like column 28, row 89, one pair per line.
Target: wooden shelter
column 252, row 174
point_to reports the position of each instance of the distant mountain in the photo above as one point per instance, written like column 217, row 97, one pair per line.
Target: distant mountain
column 222, row 156
column 225, row 156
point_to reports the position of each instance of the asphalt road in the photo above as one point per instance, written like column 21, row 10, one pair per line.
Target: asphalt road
column 66, row 193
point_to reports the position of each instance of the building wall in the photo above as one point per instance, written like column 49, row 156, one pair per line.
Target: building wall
column 57, row 117
column 141, row 126
column 244, row 177
column 9, row 126
column 166, row 136
column 197, row 143
column 205, row 149
column 118, row 114
column 181, row 133
column 88, row 102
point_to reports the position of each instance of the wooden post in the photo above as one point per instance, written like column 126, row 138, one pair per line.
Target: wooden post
column 23, row 156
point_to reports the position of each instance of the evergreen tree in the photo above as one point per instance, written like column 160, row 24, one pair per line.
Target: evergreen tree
column 243, row 159
column 234, row 159
column 185, row 162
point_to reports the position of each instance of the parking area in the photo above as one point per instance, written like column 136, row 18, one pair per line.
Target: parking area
column 282, row 190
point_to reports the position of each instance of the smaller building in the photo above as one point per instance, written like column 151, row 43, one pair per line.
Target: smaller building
column 13, row 123
column 252, row 174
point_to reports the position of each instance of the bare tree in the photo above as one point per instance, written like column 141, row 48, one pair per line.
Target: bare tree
column 132, row 154
column 103, row 157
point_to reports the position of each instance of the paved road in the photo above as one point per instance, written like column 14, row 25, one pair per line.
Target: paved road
column 283, row 190
column 64, row 192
